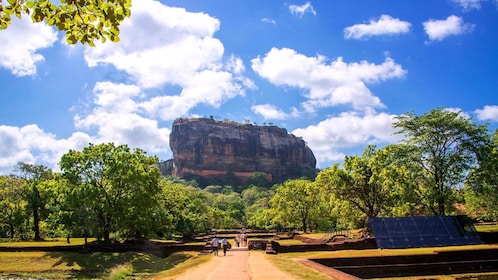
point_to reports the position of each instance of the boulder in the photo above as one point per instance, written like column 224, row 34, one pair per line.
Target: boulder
column 205, row 147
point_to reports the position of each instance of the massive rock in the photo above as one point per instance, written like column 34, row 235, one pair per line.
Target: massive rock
column 204, row 147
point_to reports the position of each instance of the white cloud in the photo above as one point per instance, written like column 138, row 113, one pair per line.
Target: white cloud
column 30, row 144
column 301, row 10
column 488, row 113
column 438, row 30
column 271, row 112
column 326, row 84
column 269, row 20
column 160, row 45
column 468, row 5
column 164, row 45
column 347, row 130
column 118, row 118
column 21, row 42
column 207, row 87
column 459, row 111
column 386, row 25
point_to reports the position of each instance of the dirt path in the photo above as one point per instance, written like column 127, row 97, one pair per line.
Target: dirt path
column 238, row 264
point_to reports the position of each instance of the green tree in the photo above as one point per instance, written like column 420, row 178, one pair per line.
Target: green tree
column 230, row 209
column 36, row 197
column 83, row 21
column 481, row 188
column 259, row 179
column 257, row 206
column 443, row 146
column 295, row 203
column 69, row 209
column 357, row 183
column 400, row 177
column 116, row 186
column 183, row 209
column 13, row 206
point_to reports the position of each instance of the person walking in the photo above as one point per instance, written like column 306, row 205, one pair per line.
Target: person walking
column 215, row 245
column 224, row 243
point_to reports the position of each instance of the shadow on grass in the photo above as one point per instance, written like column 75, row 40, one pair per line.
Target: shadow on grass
column 98, row 264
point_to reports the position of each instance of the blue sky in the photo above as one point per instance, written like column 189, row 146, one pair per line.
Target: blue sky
column 333, row 72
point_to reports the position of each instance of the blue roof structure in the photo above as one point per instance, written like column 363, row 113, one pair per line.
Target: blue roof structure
column 425, row 231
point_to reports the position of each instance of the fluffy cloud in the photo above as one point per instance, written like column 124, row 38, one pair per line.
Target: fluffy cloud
column 326, row 84
column 302, row 9
column 437, row 30
column 117, row 116
column 488, row 113
column 347, row 130
column 271, row 112
column 164, row 45
column 30, row 144
column 386, row 25
column 161, row 45
column 468, row 5
column 269, row 20
column 19, row 54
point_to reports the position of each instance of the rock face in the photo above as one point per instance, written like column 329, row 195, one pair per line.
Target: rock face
column 204, row 147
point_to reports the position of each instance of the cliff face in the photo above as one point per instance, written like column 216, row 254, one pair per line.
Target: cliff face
column 208, row 148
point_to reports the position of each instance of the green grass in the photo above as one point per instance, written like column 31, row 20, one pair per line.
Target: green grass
column 383, row 252
column 49, row 242
column 181, row 264
column 286, row 262
column 294, row 268
column 121, row 272
column 486, row 227
column 289, row 242
column 64, row 265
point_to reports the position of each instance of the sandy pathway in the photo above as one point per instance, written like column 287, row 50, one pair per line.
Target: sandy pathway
column 238, row 264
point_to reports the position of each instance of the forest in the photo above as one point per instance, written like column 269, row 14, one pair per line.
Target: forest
column 445, row 164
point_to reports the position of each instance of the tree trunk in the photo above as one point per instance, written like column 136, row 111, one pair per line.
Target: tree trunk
column 11, row 230
column 441, row 209
column 107, row 234
column 36, row 223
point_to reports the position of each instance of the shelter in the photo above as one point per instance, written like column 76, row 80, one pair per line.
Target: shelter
column 425, row 231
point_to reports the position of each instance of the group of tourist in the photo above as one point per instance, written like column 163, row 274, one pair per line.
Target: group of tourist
column 241, row 240
column 217, row 243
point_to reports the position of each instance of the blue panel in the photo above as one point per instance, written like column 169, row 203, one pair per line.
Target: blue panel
column 423, row 231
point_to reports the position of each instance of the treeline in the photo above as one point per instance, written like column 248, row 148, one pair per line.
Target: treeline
column 443, row 161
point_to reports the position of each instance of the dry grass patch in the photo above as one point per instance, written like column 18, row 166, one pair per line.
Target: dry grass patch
column 296, row 269
column 33, row 262
column 181, row 263
column 486, row 227
column 289, row 242
column 383, row 252
column 285, row 261
column 49, row 242
column 64, row 265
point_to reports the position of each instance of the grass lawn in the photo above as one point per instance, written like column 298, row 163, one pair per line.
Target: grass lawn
column 289, row 242
column 285, row 261
column 491, row 227
column 48, row 242
column 64, row 265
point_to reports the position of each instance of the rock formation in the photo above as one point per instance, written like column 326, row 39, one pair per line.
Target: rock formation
column 204, row 147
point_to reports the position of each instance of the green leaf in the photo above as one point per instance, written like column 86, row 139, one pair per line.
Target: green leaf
column 37, row 16
column 30, row 4
column 71, row 39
